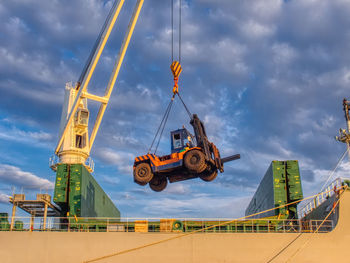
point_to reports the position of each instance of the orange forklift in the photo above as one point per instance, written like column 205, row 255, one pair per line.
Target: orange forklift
column 191, row 157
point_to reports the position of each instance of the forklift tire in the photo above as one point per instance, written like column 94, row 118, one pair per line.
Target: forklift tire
column 209, row 176
column 195, row 161
column 142, row 184
column 143, row 173
column 158, row 183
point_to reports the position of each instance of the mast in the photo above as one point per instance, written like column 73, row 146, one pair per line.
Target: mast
column 344, row 134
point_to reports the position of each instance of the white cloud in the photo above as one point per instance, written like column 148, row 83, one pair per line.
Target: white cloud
column 32, row 66
column 283, row 53
column 13, row 175
column 178, row 188
column 203, row 206
column 254, row 29
column 122, row 160
column 4, row 198
column 36, row 138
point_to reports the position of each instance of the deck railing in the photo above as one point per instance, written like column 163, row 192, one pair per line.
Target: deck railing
column 308, row 207
column 152, row 225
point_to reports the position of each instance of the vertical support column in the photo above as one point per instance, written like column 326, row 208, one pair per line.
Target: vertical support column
column 347, row 118
column 45, row 216
column 14, row 207
column 31, row 225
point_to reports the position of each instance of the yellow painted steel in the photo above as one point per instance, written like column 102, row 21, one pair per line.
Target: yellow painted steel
column 116, row 69
column 94, row 97
column 176, row 69
column 91, row 71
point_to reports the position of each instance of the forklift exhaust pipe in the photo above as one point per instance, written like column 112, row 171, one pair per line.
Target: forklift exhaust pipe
column 230, row 158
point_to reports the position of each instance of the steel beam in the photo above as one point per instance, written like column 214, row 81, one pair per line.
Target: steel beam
column 116, row 69
column 91, row 68
column 13, row 215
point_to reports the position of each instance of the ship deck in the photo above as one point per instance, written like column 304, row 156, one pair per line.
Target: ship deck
column 199, row 247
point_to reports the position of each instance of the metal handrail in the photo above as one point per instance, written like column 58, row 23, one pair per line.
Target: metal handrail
column 154, row 225
column 319, row 199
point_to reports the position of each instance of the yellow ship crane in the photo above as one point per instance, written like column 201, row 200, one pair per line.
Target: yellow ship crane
column 74, row 143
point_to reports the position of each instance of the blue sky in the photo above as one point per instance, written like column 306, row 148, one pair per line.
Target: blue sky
column 266, row 76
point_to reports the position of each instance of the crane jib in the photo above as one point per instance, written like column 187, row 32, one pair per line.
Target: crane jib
column 91, row 65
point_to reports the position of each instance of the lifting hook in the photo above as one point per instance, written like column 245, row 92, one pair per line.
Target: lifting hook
column 176, row 70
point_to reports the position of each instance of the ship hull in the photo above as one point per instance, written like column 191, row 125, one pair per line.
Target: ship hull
column 200, row 247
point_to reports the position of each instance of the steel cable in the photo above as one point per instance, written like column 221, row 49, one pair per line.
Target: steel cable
column 172, row 31
column 161, row 123
column 336, row 167
column 180, row 31
column 166, row 119
column 308, row 240
column 188, row 111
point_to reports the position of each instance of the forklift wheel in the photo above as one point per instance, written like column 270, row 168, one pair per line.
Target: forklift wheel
column 158, row 183
column 143, row 173
column 142, row 184
column 209, row 176
column 195, row 161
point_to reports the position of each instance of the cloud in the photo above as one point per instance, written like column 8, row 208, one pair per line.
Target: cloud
column 110, row 180
column 121, row 160
column 266, row 76
column 178, row 189
column 13, row 133
column 204, row 206
column 12, row 175
column 4, row 198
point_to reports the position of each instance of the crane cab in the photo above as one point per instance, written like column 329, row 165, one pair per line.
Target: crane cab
column 180, row 139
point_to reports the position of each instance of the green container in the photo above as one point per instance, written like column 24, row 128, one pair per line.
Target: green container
column 18, row 225
column 294, row 181
column 4, row 217
column 4, row 223
column 4, row 226
column 61, row 184
column 280, row 185
column 79, row 195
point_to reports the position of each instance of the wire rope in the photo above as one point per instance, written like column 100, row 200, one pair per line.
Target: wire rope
column 180, row 18
column 161, row 133
column 172, row 31
column 336, row 167
column 188, row 111
column 160, row 125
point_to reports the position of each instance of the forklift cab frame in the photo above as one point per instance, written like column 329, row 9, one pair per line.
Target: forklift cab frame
column 180, row 139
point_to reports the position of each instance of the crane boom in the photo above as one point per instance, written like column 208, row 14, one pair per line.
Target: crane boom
column 74, row 144
column 91, row 65
column 116, row 69
column 90, row 68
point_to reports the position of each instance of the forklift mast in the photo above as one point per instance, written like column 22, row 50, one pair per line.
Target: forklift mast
column 201, row 136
